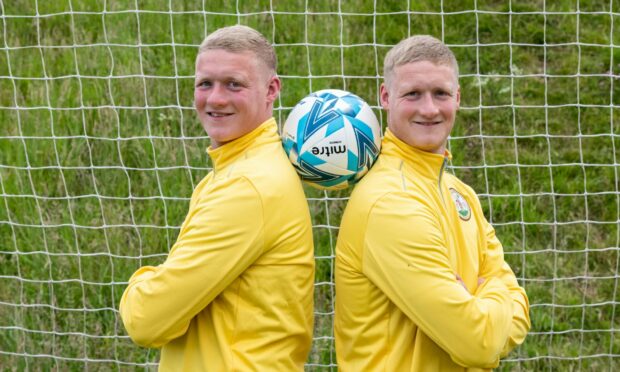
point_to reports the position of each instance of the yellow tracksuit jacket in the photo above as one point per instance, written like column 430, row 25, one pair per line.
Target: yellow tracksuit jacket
column 408, row 230
column 236, row 291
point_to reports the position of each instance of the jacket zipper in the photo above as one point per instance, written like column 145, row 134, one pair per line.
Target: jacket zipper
column 443, row 166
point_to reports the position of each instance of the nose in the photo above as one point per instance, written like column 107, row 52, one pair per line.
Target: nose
column 428, row 108
column 217, row 96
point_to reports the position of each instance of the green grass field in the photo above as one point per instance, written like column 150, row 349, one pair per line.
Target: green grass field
column 100, row 150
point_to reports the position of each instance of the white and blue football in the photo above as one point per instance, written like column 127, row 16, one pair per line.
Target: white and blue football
column 332, row 138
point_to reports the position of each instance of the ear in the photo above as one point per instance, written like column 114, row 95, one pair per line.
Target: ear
column 458, row 97
column 384, row 96
column 273, row 89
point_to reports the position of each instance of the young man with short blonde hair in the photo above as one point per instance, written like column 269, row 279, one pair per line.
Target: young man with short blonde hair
column 421, row 281
column 236, row 291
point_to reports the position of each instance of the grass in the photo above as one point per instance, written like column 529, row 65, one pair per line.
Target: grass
column 100, row 150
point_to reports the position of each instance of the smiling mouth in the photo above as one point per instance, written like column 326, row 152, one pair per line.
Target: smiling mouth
column 218, row 114
column 427, row 123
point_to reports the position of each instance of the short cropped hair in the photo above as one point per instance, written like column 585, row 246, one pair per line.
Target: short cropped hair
column 418, row 48
column 239, row 39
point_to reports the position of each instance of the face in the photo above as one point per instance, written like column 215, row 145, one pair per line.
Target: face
column 233, row 94
column 421, row 103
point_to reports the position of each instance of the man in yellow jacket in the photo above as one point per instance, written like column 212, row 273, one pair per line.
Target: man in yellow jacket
column 236, row 291
column 421, row 281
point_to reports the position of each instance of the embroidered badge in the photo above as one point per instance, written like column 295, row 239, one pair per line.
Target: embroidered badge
column 462, row 207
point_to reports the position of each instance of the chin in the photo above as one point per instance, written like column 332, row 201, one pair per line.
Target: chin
column 427, row 147
column 218, row 137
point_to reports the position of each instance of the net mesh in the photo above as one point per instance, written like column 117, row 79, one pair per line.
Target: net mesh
column 100, row 150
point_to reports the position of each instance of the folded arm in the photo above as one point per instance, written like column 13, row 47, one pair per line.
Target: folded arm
column 220, row 238
column 494, row 266
column 405, row 256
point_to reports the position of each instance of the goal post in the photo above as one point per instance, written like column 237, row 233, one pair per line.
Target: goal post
column 100, row 150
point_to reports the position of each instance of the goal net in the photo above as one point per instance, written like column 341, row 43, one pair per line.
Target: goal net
column 100, row 150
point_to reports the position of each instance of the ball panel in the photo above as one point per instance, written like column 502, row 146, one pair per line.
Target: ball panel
column 311, row 173
column 293, row 120
column 289, row 146
column 317, row 118
column 311, row 160
column 307, row 143
column 313, row 164
column 354, row 105
column 334, row 170
column 352, row 160
column 368, row 117
column 367, row 151
column 332, row 149
column 335, row 126
column 367, row 124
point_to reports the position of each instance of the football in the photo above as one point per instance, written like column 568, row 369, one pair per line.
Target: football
column 332, row 137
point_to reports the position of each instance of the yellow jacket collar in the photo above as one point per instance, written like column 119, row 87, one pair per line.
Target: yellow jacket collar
column 226, row 154
column 427, row 163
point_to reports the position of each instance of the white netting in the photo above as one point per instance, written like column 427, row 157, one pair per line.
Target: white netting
column 100, row 150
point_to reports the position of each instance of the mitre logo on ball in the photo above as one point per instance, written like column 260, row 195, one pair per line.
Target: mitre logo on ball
column 332, row 138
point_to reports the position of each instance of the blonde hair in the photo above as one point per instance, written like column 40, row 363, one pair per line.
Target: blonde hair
column 418, row 48
column 239, row 39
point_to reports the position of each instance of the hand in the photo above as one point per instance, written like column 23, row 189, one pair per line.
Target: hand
column 461, row 282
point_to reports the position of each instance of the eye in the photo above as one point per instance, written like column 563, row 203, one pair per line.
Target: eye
column 233, row 84
column 412, row 94
column 203, row 84
column 443, row 93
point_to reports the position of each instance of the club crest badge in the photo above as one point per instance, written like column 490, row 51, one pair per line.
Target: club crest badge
column 462, row 207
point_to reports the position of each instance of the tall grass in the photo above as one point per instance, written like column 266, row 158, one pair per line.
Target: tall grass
column 100, row 150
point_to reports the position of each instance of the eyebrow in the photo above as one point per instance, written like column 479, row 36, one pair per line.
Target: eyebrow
column 234, row 76
column 414, row 86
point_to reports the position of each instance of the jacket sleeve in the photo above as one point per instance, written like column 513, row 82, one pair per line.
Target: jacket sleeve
column 494, row 266
column 220, row 238
column 405, row 255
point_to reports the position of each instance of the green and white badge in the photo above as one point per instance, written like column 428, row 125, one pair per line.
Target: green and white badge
column 462, row 207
